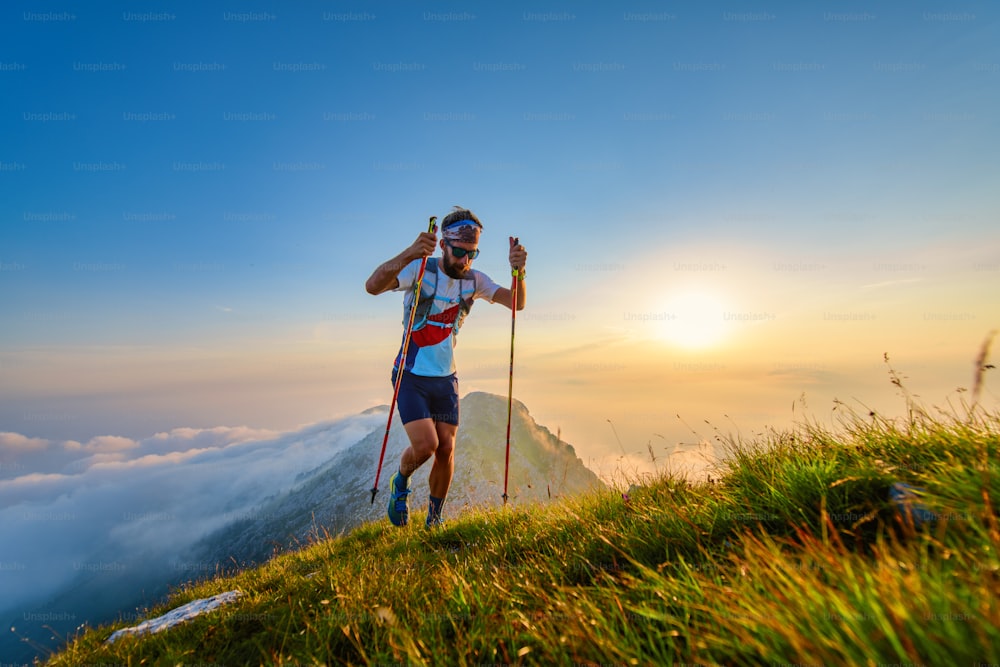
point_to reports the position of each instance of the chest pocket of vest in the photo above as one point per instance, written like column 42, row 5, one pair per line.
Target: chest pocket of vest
column 450, row 319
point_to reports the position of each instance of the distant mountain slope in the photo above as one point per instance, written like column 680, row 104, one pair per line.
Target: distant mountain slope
column 336, row 496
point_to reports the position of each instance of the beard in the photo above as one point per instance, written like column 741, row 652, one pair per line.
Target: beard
column 455, row 270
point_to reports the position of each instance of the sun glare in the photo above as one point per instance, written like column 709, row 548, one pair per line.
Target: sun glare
column 694, row 320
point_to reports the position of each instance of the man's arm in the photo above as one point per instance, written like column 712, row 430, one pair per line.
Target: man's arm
column 502, row 295
column 385, row 277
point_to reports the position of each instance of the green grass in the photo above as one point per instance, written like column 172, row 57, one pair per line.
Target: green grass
column 795, row 555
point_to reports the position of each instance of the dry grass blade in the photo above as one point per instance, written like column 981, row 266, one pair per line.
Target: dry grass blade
column 981, row 367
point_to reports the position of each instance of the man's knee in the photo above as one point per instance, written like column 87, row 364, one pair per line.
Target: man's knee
column 445, row 449
column 424, row 445
column 422, row 434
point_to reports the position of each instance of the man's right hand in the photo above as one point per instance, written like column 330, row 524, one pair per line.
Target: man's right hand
column 423, row 246
column 385, row 277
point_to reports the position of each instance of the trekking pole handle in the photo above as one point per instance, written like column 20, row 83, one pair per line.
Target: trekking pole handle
column 515, row 271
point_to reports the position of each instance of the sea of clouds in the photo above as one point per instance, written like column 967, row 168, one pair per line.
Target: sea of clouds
column 111, row 503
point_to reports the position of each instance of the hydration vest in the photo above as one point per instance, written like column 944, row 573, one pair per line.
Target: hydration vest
column 449, row 319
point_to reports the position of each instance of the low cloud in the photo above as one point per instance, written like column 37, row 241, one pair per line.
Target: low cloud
column 66, row 506
column 21, row 455
column 15, row 443
column 110, row 443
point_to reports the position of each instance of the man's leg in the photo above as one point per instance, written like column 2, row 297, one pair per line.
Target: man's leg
column 445, row 409
column 423, row 443
column 444, row 460
column 429, row 436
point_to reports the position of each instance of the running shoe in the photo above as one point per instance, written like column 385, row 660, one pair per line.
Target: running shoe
column 399, row 511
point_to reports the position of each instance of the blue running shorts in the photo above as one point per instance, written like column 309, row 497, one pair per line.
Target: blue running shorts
column 423, row 397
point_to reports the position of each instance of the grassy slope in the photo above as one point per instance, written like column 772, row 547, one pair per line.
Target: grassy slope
column 796, row 556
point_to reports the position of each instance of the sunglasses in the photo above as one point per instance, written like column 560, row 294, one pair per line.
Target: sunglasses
column 462, row 252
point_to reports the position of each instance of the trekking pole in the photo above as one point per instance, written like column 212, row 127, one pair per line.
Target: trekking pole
column 517, row 273
column 431, row 228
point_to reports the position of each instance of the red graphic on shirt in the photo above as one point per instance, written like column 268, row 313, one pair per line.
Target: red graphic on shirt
column 431, row 334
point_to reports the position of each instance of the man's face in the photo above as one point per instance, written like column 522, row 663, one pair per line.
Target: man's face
column 456, row 267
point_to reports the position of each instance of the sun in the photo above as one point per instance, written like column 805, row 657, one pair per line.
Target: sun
column 694, row 320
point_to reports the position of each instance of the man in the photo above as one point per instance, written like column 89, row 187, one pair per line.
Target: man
column 428, row 391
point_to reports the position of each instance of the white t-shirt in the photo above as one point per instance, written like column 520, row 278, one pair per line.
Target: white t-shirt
column 432, row 344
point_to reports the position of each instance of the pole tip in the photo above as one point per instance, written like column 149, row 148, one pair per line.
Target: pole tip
column 374, row 491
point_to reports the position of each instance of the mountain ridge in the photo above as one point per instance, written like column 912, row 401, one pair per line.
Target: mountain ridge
column 337, row 496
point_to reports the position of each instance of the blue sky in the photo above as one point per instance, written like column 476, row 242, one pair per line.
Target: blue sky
column 193, row 196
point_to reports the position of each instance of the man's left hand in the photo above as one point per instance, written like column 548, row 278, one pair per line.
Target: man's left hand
column 518, row 256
